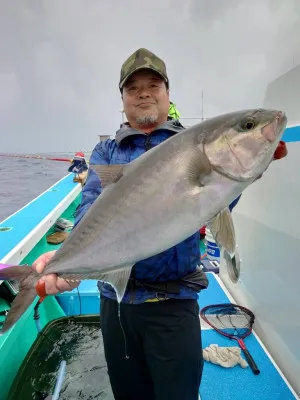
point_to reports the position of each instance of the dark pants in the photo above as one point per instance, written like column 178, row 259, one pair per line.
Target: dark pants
column 163, row 342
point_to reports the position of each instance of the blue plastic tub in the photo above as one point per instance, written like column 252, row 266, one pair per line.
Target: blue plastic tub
column 86, row 302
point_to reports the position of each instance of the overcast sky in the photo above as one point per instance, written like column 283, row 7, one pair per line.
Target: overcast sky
column 60, row 61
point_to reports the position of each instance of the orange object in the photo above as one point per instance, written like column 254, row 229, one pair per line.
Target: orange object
column 40, row 288
column 281, row 151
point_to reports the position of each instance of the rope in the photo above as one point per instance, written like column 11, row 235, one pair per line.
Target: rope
column 227, row 357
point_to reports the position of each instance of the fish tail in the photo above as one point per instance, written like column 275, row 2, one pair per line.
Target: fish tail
column 14, row 272
column 26, row 278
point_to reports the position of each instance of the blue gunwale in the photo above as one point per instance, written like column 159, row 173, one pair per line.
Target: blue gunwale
column 27, row 219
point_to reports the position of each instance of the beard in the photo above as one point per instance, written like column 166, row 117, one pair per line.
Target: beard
column 147, row 120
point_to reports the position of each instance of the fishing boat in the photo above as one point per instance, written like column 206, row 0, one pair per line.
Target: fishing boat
column 264, row 279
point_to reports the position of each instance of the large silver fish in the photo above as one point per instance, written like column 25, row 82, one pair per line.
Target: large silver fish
column 160, row 199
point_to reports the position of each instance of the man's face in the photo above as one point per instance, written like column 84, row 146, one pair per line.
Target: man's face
column 145, row 99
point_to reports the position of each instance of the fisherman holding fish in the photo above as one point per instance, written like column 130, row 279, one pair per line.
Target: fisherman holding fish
column 152, row 339
column 161, row 330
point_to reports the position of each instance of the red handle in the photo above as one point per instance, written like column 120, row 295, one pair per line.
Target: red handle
column 40, row 288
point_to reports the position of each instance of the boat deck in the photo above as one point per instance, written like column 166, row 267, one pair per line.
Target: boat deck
column 218, row 383
column 238, row 383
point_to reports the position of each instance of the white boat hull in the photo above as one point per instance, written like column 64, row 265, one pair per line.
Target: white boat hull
column 267, row 222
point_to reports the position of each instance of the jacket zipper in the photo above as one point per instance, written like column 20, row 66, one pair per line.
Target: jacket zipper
column 148, row 144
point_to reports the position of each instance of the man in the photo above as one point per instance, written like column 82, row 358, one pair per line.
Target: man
column 79, row 168
column 153, row 341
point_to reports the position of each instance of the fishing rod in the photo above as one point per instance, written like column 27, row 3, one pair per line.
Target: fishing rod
column 36, row 157
column 64, row 159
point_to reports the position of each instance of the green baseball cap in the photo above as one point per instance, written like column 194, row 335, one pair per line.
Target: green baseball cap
column 142, row 59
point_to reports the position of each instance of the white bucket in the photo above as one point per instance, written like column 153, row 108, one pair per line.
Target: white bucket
column 212, row 250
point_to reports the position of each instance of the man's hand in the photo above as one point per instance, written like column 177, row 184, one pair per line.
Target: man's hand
column 53, row 284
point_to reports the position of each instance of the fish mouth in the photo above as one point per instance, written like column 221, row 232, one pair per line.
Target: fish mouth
column 273, row 129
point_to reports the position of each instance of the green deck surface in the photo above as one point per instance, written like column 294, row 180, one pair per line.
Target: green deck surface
column 42, row 246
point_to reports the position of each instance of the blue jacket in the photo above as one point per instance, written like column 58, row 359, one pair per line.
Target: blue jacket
column 172, row 264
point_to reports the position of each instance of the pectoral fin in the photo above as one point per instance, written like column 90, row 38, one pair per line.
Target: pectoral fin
column 199, row 168
column 222, row 229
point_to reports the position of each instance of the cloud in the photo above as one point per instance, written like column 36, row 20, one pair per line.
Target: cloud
column 60, row 61
column 10, row 92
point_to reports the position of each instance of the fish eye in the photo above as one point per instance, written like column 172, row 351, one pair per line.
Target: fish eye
column 248, row 124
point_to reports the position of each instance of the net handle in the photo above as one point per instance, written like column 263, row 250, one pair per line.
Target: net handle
column 249, row 358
